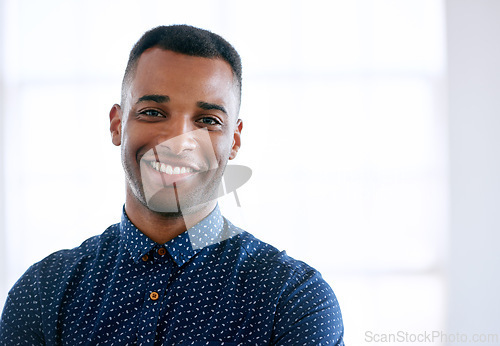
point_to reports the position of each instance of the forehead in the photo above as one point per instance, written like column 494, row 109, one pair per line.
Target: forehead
column 160, row 71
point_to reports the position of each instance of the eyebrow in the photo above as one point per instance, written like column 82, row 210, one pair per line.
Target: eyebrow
column 210, row 106
column 164, row 98
column 154, row 98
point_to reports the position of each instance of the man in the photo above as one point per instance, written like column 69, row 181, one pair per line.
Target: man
column 174, row 271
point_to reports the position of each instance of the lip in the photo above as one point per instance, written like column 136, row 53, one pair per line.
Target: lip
column 172, row 162
column 165, row 179
column 171, row 168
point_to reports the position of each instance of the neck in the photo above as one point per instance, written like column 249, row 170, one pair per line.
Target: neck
column 163, row 227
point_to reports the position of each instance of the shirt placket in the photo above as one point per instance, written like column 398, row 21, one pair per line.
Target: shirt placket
column 160, row 267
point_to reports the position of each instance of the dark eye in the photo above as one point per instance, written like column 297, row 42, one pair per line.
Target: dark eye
column 151, row 113
column 209, row 121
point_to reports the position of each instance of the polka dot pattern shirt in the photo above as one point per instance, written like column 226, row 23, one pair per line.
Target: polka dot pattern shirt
column 212, row 285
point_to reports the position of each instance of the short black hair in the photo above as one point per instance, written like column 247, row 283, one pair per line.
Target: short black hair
column 185, row 39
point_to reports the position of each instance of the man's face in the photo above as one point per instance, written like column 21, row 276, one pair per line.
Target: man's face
column 178, row 127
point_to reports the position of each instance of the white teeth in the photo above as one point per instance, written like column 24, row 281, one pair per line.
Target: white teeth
column 161, row 167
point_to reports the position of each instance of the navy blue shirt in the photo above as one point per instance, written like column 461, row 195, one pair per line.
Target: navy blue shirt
column 214, row 284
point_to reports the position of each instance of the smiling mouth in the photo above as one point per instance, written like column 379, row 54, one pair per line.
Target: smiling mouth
column 168, row 169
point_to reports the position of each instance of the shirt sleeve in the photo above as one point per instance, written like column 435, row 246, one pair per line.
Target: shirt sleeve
column 20, row 323
column 308, row 313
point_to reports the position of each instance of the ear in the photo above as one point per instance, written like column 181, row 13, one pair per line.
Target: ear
column 115, row 124
column 236, row 139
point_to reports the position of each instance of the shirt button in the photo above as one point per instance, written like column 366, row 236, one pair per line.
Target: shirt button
column 145, row 258
column 154, row 296
column 162, row 251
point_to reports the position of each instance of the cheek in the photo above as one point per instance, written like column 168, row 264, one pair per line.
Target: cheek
column 222, row 147
column 131, row 142
column 134, row 137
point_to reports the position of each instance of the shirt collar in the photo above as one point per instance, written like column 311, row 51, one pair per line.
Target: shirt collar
column 211, row 230
column 136, row 242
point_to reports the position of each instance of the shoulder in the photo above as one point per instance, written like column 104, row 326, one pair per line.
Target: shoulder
column 264, row 255
column 306, row 305
column 35, row 297
column 87, row 249
column 57, row 266
column 270, row 264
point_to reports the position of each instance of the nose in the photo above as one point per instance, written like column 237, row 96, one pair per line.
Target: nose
column 179, row 137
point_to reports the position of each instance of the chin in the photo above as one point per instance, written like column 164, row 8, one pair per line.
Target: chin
column 166, row 201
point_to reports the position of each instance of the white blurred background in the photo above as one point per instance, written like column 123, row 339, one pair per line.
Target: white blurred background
column 372, row 128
